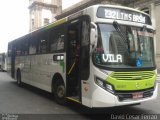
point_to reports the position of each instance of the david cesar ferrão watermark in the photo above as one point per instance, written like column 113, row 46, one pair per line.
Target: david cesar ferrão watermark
column 133, row 117
column 9, row 117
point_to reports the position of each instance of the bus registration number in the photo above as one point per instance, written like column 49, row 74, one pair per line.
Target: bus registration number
column 137, row 95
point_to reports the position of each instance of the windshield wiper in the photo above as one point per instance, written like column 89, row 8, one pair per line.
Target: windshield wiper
column 143, row 29
column 119, row 30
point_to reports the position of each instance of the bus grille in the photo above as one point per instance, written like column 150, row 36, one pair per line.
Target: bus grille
column 140, row 75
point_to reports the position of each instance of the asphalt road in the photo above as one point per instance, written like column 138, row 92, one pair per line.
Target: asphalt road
column 31, row 103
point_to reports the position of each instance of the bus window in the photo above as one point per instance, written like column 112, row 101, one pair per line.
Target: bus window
column 21, row 47
column 32, row 49
column 9, row 50
column 53, row 41
column 18, row 49
column 43, row 42
column 32, row 46
column 43, row 46
column 60, row 43
column 24, row 47
column 57, row 40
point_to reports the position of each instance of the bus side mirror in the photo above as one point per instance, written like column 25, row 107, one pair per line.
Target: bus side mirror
column 93, row 35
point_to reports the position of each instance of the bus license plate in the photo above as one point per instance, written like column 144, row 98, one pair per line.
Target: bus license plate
column 137, row 95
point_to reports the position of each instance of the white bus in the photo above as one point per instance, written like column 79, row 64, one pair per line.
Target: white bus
column 101, row 56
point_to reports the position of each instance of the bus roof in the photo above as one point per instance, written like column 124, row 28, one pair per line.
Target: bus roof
column 65, row 19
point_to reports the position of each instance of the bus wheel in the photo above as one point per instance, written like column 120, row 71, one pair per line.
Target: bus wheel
column 19, row 83
column 59, row 93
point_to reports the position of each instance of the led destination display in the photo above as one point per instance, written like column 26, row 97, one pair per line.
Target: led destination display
column 125, row 15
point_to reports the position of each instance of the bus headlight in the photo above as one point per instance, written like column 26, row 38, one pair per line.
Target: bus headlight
column 103, row 84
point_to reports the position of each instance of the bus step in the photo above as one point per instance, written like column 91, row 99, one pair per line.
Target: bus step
column 74, row 98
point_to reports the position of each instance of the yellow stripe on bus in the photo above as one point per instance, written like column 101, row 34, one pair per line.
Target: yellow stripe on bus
column 71, row 68
column 57, row 23
column 72, row 99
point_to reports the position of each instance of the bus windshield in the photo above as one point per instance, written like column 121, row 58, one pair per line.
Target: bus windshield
column 128, row 47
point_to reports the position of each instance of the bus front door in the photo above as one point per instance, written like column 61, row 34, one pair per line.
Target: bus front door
column 73, row 61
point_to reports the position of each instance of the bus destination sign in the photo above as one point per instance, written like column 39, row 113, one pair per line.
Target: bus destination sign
column 122, row 14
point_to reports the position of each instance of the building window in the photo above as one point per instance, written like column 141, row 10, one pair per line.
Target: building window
column 55, row 10
column 46, row 21
column 30, row 2
column 146, row 10
column 47, row 1
column 32, row 23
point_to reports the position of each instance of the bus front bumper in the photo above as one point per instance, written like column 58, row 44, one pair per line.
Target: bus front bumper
column 101, row 98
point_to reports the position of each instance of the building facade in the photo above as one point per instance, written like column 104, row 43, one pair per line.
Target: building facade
column 43, row 12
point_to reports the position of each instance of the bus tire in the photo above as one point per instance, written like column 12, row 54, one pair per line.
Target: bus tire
column 59, row 92
column 19, row 82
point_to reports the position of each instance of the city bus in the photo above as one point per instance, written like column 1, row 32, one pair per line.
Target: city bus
column 101, row 56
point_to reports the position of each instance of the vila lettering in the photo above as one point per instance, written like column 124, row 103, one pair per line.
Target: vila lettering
column 111, row 58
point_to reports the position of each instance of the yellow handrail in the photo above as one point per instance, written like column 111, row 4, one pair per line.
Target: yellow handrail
column 72, row 67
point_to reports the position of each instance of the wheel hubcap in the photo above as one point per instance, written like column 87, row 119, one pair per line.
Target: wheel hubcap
column 60, row 91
